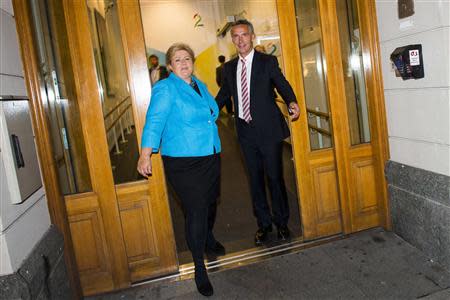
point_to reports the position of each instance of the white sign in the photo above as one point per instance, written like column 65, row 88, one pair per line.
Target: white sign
column 414, row 57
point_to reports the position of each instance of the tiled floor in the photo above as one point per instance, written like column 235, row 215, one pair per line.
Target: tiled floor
column 370, row 265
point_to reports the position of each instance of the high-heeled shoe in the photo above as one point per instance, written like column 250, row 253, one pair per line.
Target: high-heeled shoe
column 215, row 249
column 204, row 286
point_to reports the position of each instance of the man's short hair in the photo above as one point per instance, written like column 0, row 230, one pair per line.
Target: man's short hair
column 244, row 22
column 153, row 56
column 221, row 58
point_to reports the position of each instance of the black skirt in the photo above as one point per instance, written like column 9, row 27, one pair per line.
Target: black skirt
column 195, row 180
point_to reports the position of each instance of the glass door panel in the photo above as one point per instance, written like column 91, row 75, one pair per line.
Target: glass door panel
column 114, row 89
column 314, row 75
column 61, row 104
column 353, row 67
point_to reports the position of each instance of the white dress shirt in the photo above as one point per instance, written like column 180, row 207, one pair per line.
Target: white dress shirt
column 154, row 75
column 248, row 64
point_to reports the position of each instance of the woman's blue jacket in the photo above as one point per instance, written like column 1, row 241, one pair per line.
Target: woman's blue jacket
column 179, row 121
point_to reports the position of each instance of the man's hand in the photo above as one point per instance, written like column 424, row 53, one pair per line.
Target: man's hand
column 294, row 110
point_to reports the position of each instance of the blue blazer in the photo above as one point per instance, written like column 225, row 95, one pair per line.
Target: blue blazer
column 180, row 121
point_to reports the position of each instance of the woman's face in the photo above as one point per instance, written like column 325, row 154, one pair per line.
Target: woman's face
column 182, row 65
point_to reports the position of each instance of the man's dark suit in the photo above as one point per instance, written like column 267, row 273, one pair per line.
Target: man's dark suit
column 163, row 73
column 261, row 140
column 219, row 79
column 219, row 75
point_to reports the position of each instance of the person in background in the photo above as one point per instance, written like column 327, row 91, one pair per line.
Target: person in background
column 157, row 72
column 219, row 78
column 181, row 122
column 219, row 70
column 260, row 48
column 250, row 79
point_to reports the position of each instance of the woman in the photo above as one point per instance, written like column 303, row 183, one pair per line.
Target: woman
column 181, row 121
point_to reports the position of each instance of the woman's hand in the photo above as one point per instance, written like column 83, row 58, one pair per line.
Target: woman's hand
column 144, row 166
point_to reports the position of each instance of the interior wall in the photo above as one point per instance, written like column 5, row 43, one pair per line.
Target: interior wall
column 21, row 225
column 195, row 22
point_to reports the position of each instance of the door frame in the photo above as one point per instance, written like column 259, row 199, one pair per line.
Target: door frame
column 134, row 48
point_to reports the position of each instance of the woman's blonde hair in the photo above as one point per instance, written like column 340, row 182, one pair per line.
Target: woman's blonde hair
column 177, row 47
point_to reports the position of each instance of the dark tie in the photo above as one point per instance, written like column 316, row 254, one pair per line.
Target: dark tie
column 245, row 98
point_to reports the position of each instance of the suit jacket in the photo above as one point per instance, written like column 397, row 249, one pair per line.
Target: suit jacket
column 266, row 116
column 163, row 73
column 180, row 121
column 219, row 75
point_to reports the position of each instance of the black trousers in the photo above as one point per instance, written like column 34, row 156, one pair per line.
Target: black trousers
column 264, row 158
column 196, row 181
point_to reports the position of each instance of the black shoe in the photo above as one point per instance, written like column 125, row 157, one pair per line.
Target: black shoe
column 283, row 232
column 204, row 286
column 217, row 249
column 261, row 235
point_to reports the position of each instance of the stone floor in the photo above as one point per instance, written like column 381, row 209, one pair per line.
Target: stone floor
column 370, row 265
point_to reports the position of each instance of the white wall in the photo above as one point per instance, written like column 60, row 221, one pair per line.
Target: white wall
column 21, row 225
column 418, row 111
column 167, row 22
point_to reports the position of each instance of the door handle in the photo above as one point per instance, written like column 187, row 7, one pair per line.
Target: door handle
column 17, row 152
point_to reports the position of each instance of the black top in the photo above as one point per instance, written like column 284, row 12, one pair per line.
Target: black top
column 194, row 85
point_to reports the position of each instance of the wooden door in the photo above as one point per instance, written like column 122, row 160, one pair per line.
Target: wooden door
column 366, row 145
column 340, row 181
column 143, row 204
column 120, row 224
column 138, row 208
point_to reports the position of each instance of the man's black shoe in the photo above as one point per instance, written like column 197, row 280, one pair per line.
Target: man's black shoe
column 217, row 249
column 283, row 233
column 261, row 235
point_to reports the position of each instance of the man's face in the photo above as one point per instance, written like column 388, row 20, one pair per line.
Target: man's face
column 242, row 39
column 154, row 61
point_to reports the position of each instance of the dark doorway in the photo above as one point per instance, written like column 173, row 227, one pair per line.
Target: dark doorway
column 235, row 224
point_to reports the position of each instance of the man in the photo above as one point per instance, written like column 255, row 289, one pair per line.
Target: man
column 219, row 79
column 157, row 72
column 219, row 70
column 250, row 80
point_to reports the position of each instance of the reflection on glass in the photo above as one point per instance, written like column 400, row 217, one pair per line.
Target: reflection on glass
column 352, row 61
column 114, row 90
column 316, row 97
column 61, row 105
